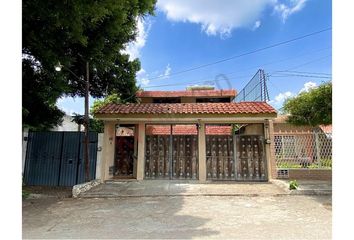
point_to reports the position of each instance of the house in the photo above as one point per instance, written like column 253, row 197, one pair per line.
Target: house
column 304, row 152
column 196, row 134
column 68, row 124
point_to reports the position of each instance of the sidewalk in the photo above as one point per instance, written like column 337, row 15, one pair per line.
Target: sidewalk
column 154, row 188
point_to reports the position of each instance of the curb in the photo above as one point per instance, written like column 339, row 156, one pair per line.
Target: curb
column 301, row 191
column 83, row 187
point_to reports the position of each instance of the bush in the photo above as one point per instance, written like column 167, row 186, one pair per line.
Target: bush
column 293, row 185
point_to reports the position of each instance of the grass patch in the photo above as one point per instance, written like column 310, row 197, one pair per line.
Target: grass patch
column 25, row 194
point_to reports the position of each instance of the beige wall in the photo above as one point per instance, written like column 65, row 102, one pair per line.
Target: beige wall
column 108, row 149
column 271, row 163
column 310, row 174
column 201, row 153
column 286, row 127
column 141, row 152
column 146, row 100
column 188, row 99
column 254, row 129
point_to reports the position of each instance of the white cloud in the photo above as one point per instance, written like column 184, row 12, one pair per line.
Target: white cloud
column 256, row 25
column 144, row 81
column 286, row 10
column 133, row 48
column 142, row 77
column 280, row 98
column 221, row 17
column 167, row 72
column 308, row 86
column 278, row 101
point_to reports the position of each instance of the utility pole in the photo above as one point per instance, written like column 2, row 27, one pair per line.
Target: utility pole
column 87, row 125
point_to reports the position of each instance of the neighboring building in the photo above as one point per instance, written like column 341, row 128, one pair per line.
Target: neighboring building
column 302, row 146
column 195, row 134
column 68, row 125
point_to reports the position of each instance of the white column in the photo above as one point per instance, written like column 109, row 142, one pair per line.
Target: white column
column 99, row 156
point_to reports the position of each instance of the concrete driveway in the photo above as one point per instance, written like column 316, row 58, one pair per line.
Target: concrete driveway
column 187, row 217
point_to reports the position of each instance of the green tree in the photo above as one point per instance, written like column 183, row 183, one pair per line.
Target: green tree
column 98, row 103
column 94, row 125
column 73, row 32
column 98, row 125
column 311, row 108
column 39, row 111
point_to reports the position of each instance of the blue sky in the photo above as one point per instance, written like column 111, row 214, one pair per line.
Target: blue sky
column 185, row 34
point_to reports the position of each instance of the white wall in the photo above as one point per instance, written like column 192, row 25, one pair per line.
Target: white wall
column 68, row 125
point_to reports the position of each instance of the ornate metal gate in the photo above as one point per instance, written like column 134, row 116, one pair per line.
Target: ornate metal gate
column 171, row 152
column 234, row 156
column 220, row 157
column 250, row 158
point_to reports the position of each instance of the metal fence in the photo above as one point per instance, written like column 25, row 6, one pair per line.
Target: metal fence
column 303, row 150
column 56, row 158
column 255, row 90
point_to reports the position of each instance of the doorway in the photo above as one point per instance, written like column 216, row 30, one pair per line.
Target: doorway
column 125, row 152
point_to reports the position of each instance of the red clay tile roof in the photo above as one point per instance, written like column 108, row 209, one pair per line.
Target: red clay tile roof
column 187, row 108
column 326, row 128
column 188, row 93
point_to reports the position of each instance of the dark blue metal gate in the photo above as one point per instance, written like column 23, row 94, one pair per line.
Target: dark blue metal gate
column 56, row 158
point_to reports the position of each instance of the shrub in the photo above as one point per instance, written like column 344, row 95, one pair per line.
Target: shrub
column 293, row 185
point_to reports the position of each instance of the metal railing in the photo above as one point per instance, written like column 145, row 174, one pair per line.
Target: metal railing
column 303, row 150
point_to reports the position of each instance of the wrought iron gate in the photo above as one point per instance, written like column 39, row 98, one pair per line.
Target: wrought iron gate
column 250, row 158
column 236, row 157
column 171, row 152
column 220, row 157
column 56, row 158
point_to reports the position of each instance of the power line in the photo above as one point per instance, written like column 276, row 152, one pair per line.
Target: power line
column 259, row 66
column 236, row 77
column 300, row 75
column 303, row 64
column 190, row 82
column 315, row 73
column 246, row 53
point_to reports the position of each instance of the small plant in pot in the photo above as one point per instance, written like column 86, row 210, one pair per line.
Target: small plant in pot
column 293, row 185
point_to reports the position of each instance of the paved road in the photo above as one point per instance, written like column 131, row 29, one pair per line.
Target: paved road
column 188, row 217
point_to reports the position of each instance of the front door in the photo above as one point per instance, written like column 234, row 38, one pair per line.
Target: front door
column 124, row 159
column 171, row 152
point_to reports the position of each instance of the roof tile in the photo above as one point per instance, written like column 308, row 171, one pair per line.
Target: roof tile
column 187, row 108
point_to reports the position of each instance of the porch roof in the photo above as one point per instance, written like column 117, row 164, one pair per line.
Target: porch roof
column 252, row 108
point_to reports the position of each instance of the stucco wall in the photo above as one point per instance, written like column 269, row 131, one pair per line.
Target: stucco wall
column 254, row 129
column 310, row 174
